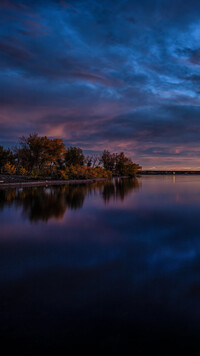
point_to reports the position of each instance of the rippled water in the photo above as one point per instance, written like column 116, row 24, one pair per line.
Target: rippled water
column 104, row 267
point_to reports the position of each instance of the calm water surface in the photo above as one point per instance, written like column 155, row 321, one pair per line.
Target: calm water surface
column 107, row 267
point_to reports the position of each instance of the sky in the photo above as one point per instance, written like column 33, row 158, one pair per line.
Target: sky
column 110, row 74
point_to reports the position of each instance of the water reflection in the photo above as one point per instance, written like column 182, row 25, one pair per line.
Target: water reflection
column 119, row 189
column 120, row 273
column 44, row 203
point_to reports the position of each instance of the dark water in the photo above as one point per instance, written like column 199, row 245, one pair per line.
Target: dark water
column 107, row 267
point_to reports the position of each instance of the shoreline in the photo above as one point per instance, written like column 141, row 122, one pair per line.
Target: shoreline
column 50, row 182
column 4, row 183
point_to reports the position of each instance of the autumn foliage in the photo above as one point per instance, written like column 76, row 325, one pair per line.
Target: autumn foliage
column 79, row 172
column 37, row 156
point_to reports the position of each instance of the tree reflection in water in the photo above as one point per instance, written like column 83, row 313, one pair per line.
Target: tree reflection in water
column 119, row 188
column 44, row 203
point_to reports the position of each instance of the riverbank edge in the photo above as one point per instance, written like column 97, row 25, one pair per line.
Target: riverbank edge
column 51, row 182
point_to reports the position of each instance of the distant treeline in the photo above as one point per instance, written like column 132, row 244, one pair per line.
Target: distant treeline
column 169, row 172
column 39, row 156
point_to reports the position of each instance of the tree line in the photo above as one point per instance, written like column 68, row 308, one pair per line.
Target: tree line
column 39, row 156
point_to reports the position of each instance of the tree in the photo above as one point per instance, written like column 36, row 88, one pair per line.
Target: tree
column 93, row 160
column 125, row 166
column 37, row 152
column 53, row 152
column 6, row 156
column 88, row 160
column 119, row 164
column 74, row 156
column 109, row 160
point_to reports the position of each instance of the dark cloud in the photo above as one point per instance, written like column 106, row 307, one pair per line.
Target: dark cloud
column 14, row 51
column 195, row 56
column 117, row 74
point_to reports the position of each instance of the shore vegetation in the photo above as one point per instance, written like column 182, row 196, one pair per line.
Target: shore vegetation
column 39, row 156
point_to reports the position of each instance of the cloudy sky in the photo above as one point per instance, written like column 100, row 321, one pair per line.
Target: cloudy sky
column 110, row 74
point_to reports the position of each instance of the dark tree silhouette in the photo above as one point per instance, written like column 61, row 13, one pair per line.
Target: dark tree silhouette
column 74, row 156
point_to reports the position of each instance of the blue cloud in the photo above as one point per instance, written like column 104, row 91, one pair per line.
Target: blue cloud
column 118, row 67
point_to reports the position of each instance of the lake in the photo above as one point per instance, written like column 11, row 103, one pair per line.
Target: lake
column 103, row 267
